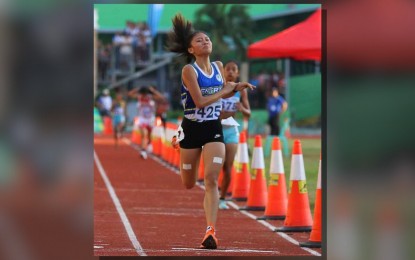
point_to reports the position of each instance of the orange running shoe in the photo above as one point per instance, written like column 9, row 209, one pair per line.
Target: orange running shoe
column 209, row 241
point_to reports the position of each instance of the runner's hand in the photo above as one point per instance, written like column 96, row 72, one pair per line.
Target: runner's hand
column 243, row 85
column 230, row 86
column 174, row 143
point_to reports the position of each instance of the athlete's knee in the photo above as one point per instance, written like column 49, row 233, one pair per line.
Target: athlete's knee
column 188, row 184
column 210, row 181
column 187, row 175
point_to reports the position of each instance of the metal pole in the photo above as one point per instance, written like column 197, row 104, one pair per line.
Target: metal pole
column 95, row 52
column 244, row 75
column 287, row 80
column 161, row 79
column 316, row 67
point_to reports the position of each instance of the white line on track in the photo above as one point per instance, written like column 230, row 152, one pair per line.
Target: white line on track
column 119, row 208
column 272, row 228
column 227, row 250
column 233, row 205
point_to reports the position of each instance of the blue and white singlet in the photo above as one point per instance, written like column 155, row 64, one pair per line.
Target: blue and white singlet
column 209, row 85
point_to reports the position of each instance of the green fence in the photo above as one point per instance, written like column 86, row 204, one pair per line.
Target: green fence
column 305, row 97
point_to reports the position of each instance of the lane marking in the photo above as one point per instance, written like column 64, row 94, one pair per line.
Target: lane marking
column 226, row 250
column 119, row 208
column 272, row 228
column 232, row 204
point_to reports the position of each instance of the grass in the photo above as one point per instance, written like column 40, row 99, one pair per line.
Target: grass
column 311, row 149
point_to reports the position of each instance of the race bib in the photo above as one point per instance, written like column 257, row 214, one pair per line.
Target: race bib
column 228, row 106
column 210, row 112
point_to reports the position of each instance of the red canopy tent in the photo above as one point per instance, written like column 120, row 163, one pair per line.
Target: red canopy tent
column 301, row 42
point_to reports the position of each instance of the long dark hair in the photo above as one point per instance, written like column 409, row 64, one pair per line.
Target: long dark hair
column 180, row 37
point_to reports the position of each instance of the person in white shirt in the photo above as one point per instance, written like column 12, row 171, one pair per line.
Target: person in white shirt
column 104, row 103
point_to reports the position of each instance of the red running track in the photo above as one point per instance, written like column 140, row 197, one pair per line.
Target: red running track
column 162, row 218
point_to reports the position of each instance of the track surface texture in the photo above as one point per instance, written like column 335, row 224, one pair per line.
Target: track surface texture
column 142, row 208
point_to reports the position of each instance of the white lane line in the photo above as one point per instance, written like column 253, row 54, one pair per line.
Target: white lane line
column 233, row 205
column 119, row 208
column 226, row 250
column 272, row 228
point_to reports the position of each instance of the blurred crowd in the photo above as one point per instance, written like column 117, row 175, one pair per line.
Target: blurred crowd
column 266, row 82
column 129, row 48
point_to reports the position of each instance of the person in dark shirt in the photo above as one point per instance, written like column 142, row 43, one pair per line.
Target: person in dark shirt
column 276, row 105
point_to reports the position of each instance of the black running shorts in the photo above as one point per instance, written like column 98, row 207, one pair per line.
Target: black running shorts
column 197, row 134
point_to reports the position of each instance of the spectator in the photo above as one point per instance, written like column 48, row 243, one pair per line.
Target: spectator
column 131, row 28
column 104, row 103
column 264, row 84
column 146, row 34
column 274, row 78
column 281, row 85
column 117, row 41
column 126, row 51
column 253, row 95
column 276, row 106
column 254, row 80
column 103, row 60
column 140, row 45
column 262, row 78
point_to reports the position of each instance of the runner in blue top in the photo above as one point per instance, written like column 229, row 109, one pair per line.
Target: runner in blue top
column 239, row 102
column 118, row 116
column 202, row 89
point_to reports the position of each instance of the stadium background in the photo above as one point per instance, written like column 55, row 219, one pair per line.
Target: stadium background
column 303, row 83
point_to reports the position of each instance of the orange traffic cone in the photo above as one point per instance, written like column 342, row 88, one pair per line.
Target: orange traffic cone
column 161, row 144
column 136, row 136
column 176, row 162
column 172, row 151
column 277, row 192
column 201, row 175
column 257, row 198
column 169, row 155
column 108, row 125
column 156, row 137
column 241, row 178
column 165, row 145
column 220, row 178
column 298, row 217
column 168, row 135
column 315, row 236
